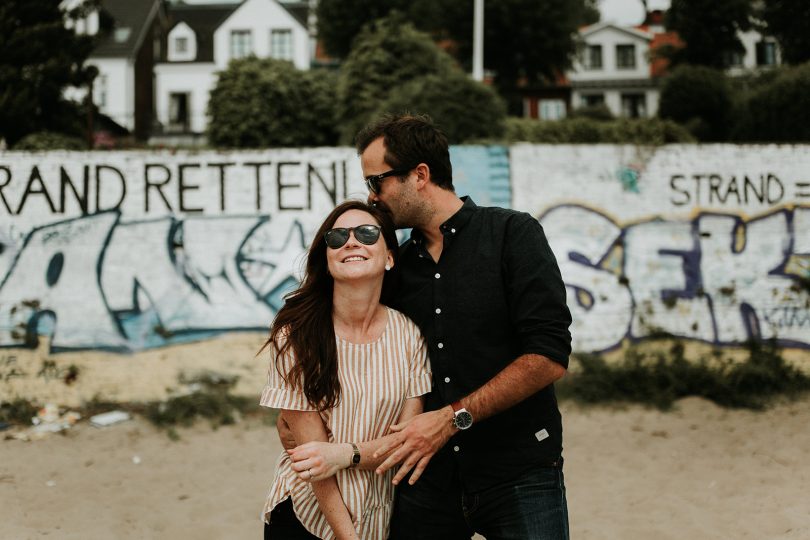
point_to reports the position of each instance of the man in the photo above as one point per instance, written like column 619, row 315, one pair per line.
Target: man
column 485, row 289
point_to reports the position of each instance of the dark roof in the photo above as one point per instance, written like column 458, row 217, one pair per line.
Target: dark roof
column 204, row 20
column 299, row 11
column 131, row 19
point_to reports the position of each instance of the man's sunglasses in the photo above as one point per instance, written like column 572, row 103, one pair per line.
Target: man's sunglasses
column 365, row 234
column 374, row 181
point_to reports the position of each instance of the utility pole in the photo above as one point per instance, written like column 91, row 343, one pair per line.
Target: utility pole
column 478, row 41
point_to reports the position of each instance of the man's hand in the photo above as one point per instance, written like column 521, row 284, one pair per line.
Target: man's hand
column 285, row 433
column 417, row 440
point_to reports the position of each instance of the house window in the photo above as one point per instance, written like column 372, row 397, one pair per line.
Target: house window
column 100, row 91
column 634, row 105
column 593, row 57
column 281, row 44
column 766, row 53
column 241, row 43
column 178, row 112
column 181, row 45
column 625, row 56
column 592, row 100
column 552, row 109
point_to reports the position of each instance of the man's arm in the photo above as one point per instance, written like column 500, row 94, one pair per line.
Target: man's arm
column 325, row 459
column 420, row 438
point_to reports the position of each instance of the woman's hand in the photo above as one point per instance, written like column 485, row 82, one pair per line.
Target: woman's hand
column 316, row 460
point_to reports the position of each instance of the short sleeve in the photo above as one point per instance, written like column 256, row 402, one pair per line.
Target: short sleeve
column 278, row 393
column 420, row 374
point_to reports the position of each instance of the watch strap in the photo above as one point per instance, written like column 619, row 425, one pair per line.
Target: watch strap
column 355, row 457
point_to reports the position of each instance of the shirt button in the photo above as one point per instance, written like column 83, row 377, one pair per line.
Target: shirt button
column 441, row 345
column 447, row 379
column 438, row 275
column 438, row 310
column 456, row 449
column 453, row 231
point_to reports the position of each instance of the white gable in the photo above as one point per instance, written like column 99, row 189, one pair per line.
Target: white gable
column 182, row 44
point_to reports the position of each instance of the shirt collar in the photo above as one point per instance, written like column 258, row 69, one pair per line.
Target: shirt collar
column 454, row 223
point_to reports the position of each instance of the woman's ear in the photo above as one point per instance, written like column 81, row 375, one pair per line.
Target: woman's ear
column 389, row 261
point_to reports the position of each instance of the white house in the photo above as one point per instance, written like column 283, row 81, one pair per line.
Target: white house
column 125, row 56
column 614, row 69
column 204, row 38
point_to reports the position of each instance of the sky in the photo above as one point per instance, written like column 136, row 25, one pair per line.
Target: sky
column 627, row 12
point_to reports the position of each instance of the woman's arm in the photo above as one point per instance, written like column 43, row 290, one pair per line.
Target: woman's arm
column 325, row 459
column 308, row 426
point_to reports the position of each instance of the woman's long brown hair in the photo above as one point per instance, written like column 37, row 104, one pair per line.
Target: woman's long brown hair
column 304, row 324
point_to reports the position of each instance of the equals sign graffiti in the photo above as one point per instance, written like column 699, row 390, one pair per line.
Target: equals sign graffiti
column 803, row 190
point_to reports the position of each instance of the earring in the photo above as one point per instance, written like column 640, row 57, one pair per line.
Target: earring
column 387, row 267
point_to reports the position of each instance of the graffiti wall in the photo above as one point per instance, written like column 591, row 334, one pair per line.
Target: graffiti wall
column 710, row 243
column 132, row 251
column 128, row 251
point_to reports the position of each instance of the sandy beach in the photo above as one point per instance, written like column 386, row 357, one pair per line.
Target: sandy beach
column 699, row 471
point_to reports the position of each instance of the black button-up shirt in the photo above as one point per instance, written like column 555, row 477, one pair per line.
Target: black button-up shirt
column 495, row 293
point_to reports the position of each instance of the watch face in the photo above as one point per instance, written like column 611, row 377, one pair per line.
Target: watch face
column 463, row 419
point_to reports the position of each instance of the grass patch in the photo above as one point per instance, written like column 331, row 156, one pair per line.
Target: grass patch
column 209, row 398
column 20, row 411
column 661, row 377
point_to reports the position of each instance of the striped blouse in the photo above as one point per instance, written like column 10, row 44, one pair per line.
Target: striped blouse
column 375, row 379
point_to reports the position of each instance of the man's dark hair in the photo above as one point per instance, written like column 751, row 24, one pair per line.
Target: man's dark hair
column 410, row 140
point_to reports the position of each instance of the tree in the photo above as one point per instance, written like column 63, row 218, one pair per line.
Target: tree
column 789, row 22
column 267, row 102
column 39, row 57
column 387, row 54
column 700, row 98
column 531, row 39
column 524, row 40
column 709, row 29
column 466, row 110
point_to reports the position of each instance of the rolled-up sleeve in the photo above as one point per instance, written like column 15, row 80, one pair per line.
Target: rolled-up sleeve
column 420, row 374
column 278, row 393
column 536, row 292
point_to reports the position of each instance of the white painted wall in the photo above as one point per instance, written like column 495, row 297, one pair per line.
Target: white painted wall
column 197, row 79
column 120, row 102
column 261, row 17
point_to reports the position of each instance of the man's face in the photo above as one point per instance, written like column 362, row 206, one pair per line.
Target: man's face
column 395, row 196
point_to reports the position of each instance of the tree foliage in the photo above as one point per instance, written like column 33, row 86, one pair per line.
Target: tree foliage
column 267, row 102
column 789, row 22
column 39, row 57
column 387, row 54
column 522, row 38
column 466, row 110
column 700, row 98
column 709, row 29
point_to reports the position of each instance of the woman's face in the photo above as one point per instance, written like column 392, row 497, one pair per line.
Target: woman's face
column 355, row 260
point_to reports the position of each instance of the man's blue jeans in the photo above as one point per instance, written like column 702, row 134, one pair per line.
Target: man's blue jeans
column 530, row 507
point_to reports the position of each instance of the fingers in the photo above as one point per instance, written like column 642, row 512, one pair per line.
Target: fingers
column 403, row 471
column 420, row 468
column 390, row 442
column 397, row 457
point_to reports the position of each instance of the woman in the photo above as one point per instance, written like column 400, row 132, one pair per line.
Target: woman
column 345, row 368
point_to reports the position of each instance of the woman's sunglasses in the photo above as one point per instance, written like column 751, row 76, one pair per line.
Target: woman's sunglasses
column 365, row 234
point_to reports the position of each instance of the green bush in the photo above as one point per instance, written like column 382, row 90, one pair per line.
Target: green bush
column 595, row 112
column 267, row 102
column 699, row 98
column 647, row 131
column 386, row 55
column 466, row 110
column 49, row 140
column 777, row 108
column 661, row 377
